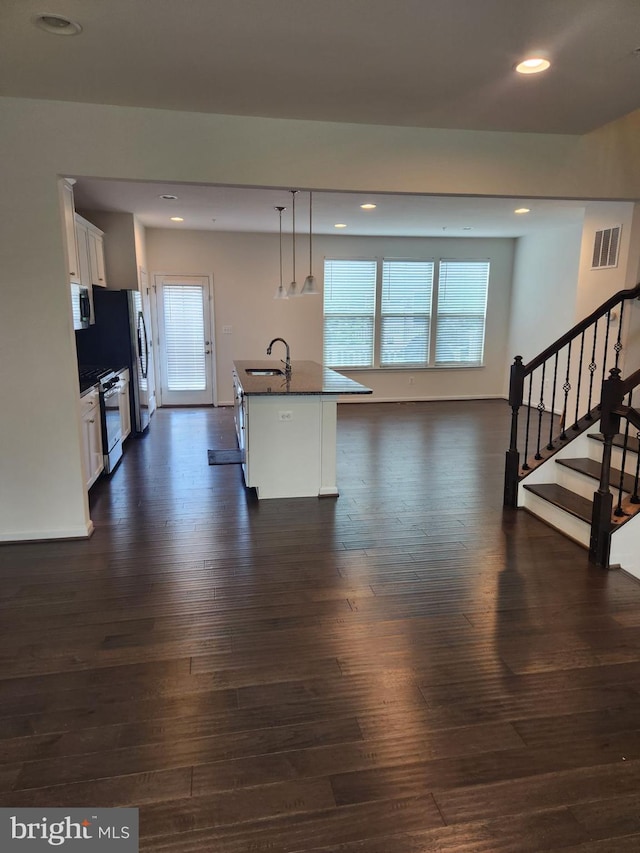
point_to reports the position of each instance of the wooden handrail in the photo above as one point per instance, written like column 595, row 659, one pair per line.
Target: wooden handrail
column 621, row 296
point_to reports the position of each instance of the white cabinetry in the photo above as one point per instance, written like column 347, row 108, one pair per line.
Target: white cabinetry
column 96, row 256
column 239, row 410
column 125, row 411
column 73, row 264
column 92, row 459
column 90, row 243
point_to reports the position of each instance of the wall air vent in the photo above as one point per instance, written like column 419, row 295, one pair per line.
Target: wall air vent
column 606, row 247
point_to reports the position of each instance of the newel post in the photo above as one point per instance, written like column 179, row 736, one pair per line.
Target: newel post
column 601, row 526
column 512, row 462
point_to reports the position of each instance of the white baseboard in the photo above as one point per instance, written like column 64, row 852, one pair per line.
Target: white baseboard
column 368, row 398
column 83, row 532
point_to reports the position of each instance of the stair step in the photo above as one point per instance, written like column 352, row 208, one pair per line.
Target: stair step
column 618, row 441
column 563, row 498
column 592, row 468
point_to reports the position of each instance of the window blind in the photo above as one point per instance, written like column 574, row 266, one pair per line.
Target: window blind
column 405, row 312
column 184, row 337
column 349, row 312
column 462, row 306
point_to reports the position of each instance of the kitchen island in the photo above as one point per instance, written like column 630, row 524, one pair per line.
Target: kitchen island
column 286, row 426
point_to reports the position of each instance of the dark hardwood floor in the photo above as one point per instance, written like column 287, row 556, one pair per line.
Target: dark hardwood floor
column 405, row 668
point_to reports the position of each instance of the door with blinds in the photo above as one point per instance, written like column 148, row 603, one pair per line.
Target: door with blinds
column 185, row 345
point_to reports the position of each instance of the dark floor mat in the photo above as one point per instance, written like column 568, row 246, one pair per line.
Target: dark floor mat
column 225, row 457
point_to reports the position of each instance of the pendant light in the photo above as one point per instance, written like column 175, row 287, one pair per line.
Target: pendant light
column 310, row 288
column 293, row 287
column 280, row 293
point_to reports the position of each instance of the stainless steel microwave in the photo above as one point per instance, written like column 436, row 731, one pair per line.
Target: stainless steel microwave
column 80, row 306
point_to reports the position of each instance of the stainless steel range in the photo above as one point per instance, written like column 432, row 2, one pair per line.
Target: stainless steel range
column 106, row 380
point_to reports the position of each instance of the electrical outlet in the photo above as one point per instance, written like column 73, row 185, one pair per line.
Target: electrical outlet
column 227, row 330
column 285, row 416
column 412, row 379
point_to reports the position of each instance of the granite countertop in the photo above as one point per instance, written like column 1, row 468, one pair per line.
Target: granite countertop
column 307, row 377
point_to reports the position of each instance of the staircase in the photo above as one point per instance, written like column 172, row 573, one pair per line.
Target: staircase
column 574, row 455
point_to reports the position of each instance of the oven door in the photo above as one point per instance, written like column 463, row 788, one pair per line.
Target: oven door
column 111, row 427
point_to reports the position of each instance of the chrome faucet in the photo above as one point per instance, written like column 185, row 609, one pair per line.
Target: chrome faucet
column 287, row 363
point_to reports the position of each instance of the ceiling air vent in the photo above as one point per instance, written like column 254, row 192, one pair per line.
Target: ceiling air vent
column 605, row 248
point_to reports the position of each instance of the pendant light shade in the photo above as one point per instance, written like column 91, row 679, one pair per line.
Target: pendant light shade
column 310, row 287
column 293, row 289
column 281, row 292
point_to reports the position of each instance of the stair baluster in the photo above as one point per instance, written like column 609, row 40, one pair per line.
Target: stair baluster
column 550, row 444
column 592, row 370
column 577, row 416
column 541, row 409
column 635, row 497
column 566, row 388
column 618, row 511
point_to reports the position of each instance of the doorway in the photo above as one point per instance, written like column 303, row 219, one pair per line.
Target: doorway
column 185, row 347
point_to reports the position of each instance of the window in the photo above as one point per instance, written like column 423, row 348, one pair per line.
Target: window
column 398, row 313
column 405, row 319
column 184, row 337
column 349, row 312
column 462, row 306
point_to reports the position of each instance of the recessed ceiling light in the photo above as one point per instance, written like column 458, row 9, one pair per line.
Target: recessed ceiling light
column 168, row 197
column 340, row 225
column 533, row 65
column 522, row 210
column 368, row 206
column 58, row 25
column 177, row 219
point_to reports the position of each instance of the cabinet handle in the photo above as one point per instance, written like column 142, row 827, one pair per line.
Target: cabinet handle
column 92, row 420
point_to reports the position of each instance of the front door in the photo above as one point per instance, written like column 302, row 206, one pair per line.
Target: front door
column 185, row 345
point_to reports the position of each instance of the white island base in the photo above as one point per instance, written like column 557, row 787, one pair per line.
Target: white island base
column 290, row 446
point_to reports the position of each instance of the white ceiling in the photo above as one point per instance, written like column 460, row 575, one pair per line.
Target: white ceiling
column 212, row 208
column 422, row 63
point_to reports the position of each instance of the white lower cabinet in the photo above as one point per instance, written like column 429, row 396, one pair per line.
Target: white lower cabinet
column 289, row 445
column 125, row 411
column 92, row 459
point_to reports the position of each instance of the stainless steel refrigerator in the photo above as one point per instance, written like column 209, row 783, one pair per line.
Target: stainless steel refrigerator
column 119, row 339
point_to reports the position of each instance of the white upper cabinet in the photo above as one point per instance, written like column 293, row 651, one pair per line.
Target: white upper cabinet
column 90, row 244
column 73, row 263
column 96, row 257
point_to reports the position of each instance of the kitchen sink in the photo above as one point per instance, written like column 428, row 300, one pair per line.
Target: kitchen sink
column 263, row 371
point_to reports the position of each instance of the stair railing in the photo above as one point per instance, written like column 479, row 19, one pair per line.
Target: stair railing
column 613, row 408
column 558, row 387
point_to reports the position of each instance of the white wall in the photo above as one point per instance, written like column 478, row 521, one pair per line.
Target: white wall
column 41, row 478
column 245, row 270
column 545, row 280
column 596, row 286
